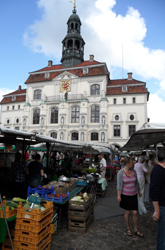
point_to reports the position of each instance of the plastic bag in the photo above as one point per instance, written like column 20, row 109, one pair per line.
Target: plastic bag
column 141, row 207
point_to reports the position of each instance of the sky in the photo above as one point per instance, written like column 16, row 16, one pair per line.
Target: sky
column 128, row 35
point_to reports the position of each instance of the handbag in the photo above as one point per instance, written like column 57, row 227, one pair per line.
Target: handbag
column 141, row 207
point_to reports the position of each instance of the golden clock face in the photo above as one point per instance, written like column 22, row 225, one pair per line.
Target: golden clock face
column 65, row 86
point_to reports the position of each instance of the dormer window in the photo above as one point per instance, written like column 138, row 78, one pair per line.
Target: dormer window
column 124, row 88
column 13, row 98
column 85, row 71
column 47, row 74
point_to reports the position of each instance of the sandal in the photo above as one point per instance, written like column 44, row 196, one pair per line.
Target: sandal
column 139, row 234
column 129, row 233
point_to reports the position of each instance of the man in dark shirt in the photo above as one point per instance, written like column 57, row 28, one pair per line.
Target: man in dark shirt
column 157, row 194
column 35, row 170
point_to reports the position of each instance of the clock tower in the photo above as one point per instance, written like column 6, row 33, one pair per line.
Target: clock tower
column 73, row 43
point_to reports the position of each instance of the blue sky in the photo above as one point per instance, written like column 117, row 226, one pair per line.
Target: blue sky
column 32, row 31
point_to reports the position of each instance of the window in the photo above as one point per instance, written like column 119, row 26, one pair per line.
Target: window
column 124, row 88
column 133, row 100
column 17, row 120
column 54, row 115
column 132, row 129
column 116, row 130
column 94, row 136
column 75, row 114
column 85, row 71
column 54, row 135
column 36, row 116
column 7, row 107
column 116, row 117
column 131, row 117
column 16, row 128
column 37, row 94
column 8, row 121
column 95, row 89
column 12, row 107
column 124, row 100
column 47, row 74
column 74, row 136
column 13, row 98
column 95, row 110
column 114, row 101
column 18, row 106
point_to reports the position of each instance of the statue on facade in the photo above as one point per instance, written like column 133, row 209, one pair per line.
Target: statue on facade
column 103, row 120
column 103, row 93
column 82, row 121
column 24, row 121
column 82, row 136
column 84, row 93
column 61, row 136
column 103, row 137
column 42, row 120
column 62, row 120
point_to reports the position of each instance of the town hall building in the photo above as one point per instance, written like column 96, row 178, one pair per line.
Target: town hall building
column 77, row 100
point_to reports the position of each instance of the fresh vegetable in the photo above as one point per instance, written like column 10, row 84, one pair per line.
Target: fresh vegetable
column 11, row 204
column 17, row 199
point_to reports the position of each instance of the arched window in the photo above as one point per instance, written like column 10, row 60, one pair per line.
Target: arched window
column 54, row 115
column 94, row 136
column 75, row 114
column 36, row 116
column 37, row 94
column 74, row 136
column 54, row 135
column 95, row 114
column 95, row 89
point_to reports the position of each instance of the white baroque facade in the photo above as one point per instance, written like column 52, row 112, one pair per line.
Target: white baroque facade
column 77, row 100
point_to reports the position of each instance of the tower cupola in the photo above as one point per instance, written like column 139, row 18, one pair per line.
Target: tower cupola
column 73, row 43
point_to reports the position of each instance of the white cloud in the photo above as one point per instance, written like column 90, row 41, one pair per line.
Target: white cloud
column 155, row 109
column 4, row 91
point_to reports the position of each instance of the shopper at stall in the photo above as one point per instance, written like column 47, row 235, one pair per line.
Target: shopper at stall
column 17, row 176
column 127, row 191
column 35, row 171
column 140, row 171
column 157, row 194
column 151, row 162
column 103, row 165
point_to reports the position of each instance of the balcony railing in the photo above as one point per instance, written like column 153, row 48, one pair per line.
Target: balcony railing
column 69, row 98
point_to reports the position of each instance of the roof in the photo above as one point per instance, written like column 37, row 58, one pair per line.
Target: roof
column 149, row 134
column 96, row 70
column 20, row 96
column 114, row 87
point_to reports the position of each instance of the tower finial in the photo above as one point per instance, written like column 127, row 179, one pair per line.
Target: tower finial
column 73, row 1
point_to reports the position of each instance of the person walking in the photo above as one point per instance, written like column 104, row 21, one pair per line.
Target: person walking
column 103, row 165
column 140, row 170
column 127, row 191
column 157, row 195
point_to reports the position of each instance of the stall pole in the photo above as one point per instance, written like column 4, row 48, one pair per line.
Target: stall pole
column 48, row 147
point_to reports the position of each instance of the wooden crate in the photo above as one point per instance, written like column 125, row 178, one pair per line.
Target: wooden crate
column 101, row 192
column 80, row 215
column 80, row 226
column 83, row 206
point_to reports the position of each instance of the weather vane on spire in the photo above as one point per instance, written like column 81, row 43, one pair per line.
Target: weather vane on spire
column 73, row 1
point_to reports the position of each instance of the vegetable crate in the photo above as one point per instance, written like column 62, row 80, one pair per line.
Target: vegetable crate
column 40, row 190
column 57, row 197
column 81, row 183
column 8, row 212
column 36, row 215
column 79, row 215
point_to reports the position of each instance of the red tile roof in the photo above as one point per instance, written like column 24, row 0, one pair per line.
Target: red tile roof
column 130, row 90
column 17, row 92
column 92, row 71
column 123, row 82
column 59, row 66
column 20, row 98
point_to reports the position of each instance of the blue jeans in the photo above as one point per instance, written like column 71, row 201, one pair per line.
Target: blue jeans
column 161, row 230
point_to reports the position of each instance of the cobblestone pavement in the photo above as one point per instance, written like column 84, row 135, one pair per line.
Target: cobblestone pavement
column 109, row 233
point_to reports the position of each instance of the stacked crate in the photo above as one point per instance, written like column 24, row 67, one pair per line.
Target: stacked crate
column 33, row 228
column 81, row 214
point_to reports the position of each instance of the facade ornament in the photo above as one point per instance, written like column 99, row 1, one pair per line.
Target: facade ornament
column 103, row 93
column 42, row 120
column 24, row 121
column 103, row 121
column 62, row 120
